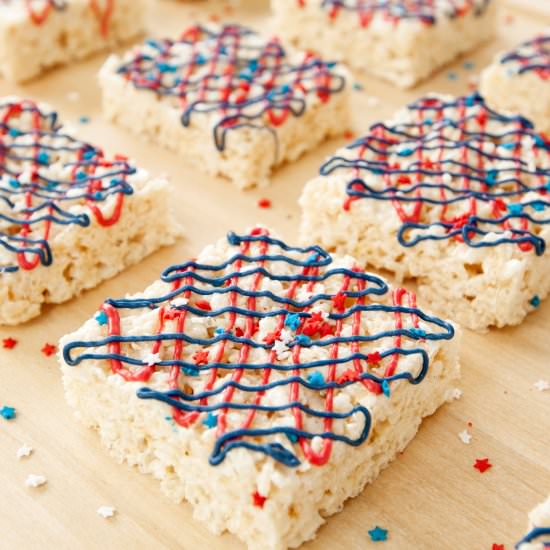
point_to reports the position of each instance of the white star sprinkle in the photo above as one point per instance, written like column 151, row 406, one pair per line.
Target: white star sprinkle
column 457, row 393
column 151, row 358
column 280, row 349
column 106, row 511
column 542, row 385
column 465, row 436
column 24, row 451
column 34, row 480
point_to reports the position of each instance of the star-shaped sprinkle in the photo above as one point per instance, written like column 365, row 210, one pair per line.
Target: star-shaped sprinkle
column 378, row 534
column 535, row 301
column 106, row 512
column 465, row 436
column 258, row 500
column 201, row 357
column 211, row 421
column 292, row 321
column 482, row 464
column 101, row 318
column 48, row 349
column 24, row 451
column 8, row 413
column 542, row 385
column 151, row 358
column 9, row 343
column 34, row 480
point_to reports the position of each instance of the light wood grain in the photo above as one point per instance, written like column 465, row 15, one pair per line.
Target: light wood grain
column 430, row 498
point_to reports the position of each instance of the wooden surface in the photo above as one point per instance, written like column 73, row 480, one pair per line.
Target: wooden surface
column 430, row 498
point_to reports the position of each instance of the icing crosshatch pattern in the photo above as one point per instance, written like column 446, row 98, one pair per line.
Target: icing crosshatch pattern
column 286, row 332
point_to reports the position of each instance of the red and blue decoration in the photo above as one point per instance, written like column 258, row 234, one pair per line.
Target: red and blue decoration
column 33, row 203
column 233, row 73
column 369, row 359
column 538, row 535
column 426, row 11
column 455, row 170
column 532, row 56
column 40, row 10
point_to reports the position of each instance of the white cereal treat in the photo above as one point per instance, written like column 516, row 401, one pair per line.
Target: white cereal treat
column 36, row 35
column 227, row 100
column 538, row 537
column 518, row 81
column 449, row 193
column 263, row 383
column 402, row 41
column 69, row 216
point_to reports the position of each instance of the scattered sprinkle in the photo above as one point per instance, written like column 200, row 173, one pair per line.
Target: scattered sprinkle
column 497, row 546
column 264, row 203
column 84, row 120
column 465, row 436
column 469, row 65
column 373, row 101
column 348, row 134
column 357, row 86
column 542, row 385
column 151, row 358
column 482, row 464
column 258, row 500
column 292, row 321
column 34, row 480
column 316, row 379
column 101, row 318
column 378, row 534
column 9, row 343
column 48, row 349
column 24, row 451
column 418, row 332
column 8, row 413
column 386, row 388
column 535, row 301
column 457, row 393
column 106, row 512
column 211, row 421
column 452, row 76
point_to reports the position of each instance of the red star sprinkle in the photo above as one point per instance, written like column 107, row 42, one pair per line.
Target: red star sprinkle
column 201, row 357
column 264, row 203
column 374, row 357
column 497, row 546
column 48, row 349
column 258, row 499
column 9, row 343
column 339, row 301
column 482, row 464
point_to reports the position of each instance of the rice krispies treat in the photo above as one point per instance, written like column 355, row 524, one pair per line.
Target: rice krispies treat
column 449, row 193
column 538, row 537
column 36, row 35
column 262, row 383
column 227, row 100
column 519, row 81
column 69, row 216
column 401, row 41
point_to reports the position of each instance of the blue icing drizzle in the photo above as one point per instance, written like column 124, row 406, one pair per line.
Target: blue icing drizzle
column 309, row 265
column 536, row 535
column 531, row 56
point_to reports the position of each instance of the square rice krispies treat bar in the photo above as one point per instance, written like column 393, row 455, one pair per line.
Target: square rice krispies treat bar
column 449, row 193
column 519, row 81
column 69, row 217
column 227, row 100
column 36, row 35
column 402, row 41
column 538, row 537
column 264, row 384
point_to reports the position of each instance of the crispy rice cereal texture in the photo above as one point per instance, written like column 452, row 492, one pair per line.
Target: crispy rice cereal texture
column 271, row 480
column 539, row 529
column 395, row 40
column 36, row 35
column 430, row 195
column 519, row 81
column 69, row 217
column 226, row 100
